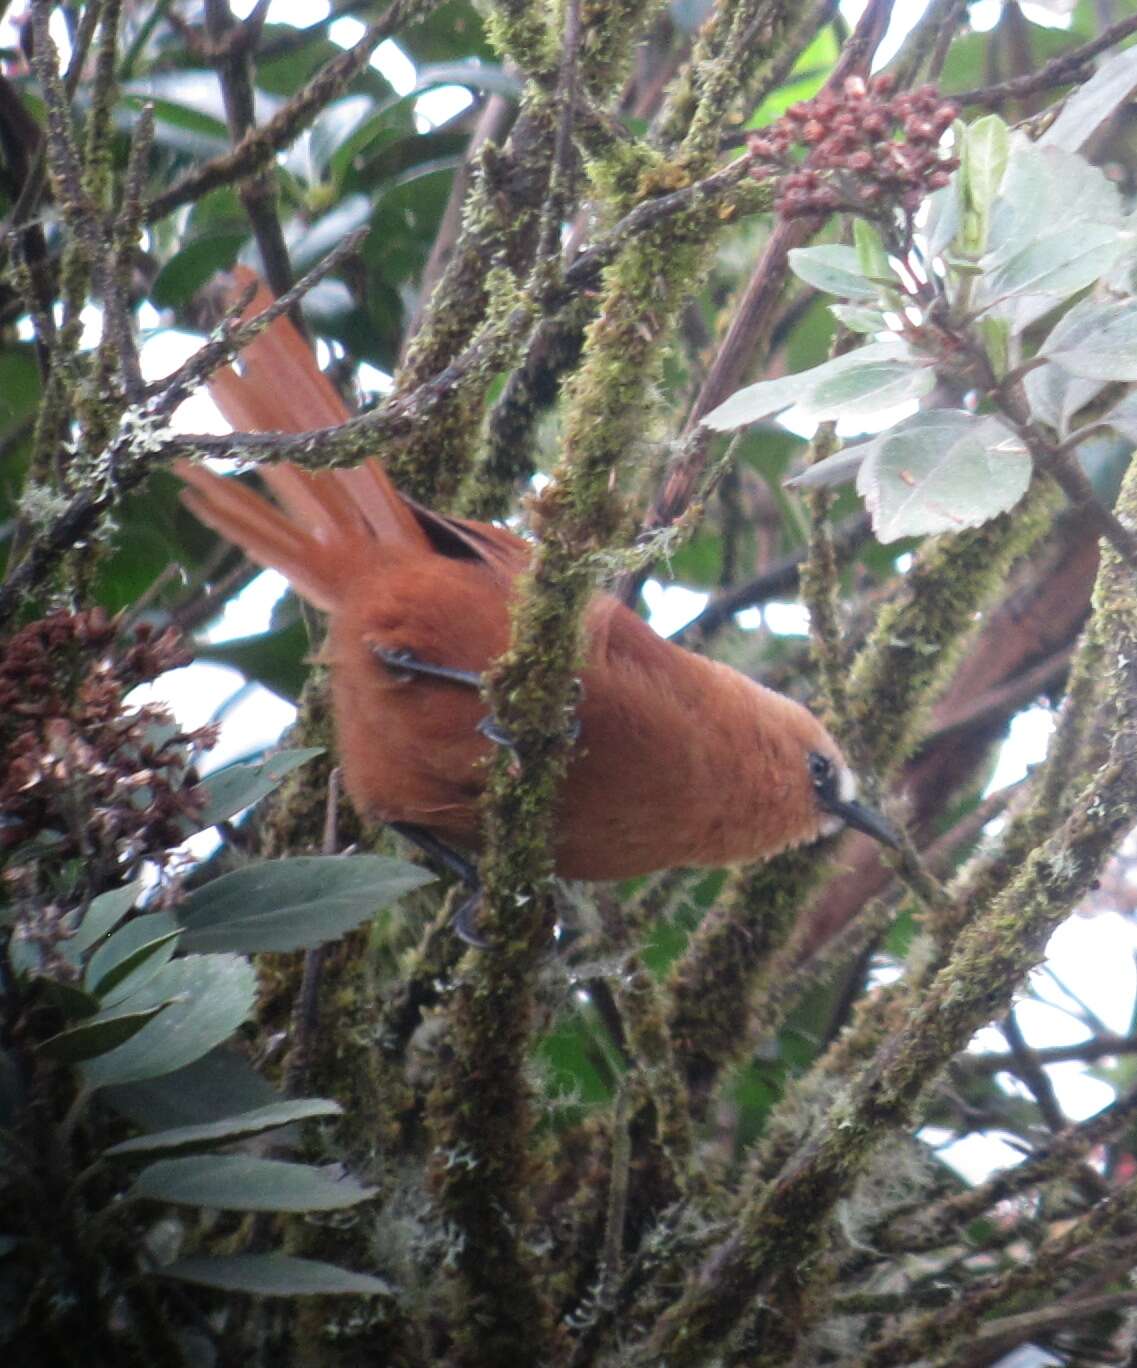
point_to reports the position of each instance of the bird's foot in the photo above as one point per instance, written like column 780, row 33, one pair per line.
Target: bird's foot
column 493, row 731
column 463, row 869
column 464, row 925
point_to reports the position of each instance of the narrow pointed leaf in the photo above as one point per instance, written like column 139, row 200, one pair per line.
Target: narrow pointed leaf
column 97, row 1035
column 242, row 1182
column 986, row 147
column 294, row 904
column 150, row 937
column 71, row 1000
column 275, row 1275
column 228, row 1129
column 235, row 787
column 863, row 391
column 209, row 997
column 838, row 469
column 872, row 258
column 220, row 1084
column 858, row 318
column 1059, row 263
column 103, row 915
column 768, row 397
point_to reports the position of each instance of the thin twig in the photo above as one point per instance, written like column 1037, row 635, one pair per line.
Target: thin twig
column 1066, row 69
column 612, row 1256
column 1029, row 1068
column 258, row 147
column 233, row 44
column 1000, row 699
column 940, row 1223
column 775, row 581
column 120, row 339
column 1084, row 1052
column 556, row 203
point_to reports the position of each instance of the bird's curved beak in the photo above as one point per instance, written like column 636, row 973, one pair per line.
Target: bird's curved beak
column 862, row 818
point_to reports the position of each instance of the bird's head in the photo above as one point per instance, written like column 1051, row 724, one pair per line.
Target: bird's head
column 834, row 789
column 803, row 788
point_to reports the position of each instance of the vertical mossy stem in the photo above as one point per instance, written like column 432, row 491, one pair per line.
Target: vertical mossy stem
column 919, row 637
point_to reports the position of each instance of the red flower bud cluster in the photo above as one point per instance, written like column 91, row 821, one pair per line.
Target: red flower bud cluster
column 97, row 779
column 868, row 151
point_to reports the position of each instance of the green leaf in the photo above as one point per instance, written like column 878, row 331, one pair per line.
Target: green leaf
column 25, row 956
column 97, row 1035
column 294, row 904
column 837, row 469
column 103, row 915
column 337, row 125
column 139, row 968
column 857, row 318
column 222, row 1083
column 188, row 270
column 900, row 372
column 872, row 258
column 983, row 162
column 1062, row 262
column 128, row 950
column 275, row 1275
column 944, row 217
column 71, row 1000
column 1101, row 345
column 995, row 334
column 485, row 76
column 239, row 786
column 941, row 472
column 209, row 997
column 1123, row 418
column 349, row 213
column 862, row 391
column 19, row 385
column 189, row 112
column 835, row 269
column 1045, row 187
column 230, row 1128
column 242, row 1182
column 1088, row 107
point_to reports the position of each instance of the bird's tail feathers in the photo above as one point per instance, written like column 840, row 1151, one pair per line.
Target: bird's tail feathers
column 328, row 522
column 276, row 385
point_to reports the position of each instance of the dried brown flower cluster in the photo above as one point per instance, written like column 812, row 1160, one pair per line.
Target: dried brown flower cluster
column 79, row 768
column 868, row 151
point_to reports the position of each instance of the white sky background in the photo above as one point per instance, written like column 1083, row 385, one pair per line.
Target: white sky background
column 1095, row 957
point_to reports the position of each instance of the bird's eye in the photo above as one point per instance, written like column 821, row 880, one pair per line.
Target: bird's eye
column 820, row 769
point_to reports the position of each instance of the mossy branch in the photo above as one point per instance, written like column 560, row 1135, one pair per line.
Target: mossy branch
column 918, row 638
column 783, row 1228
column 716, row 982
